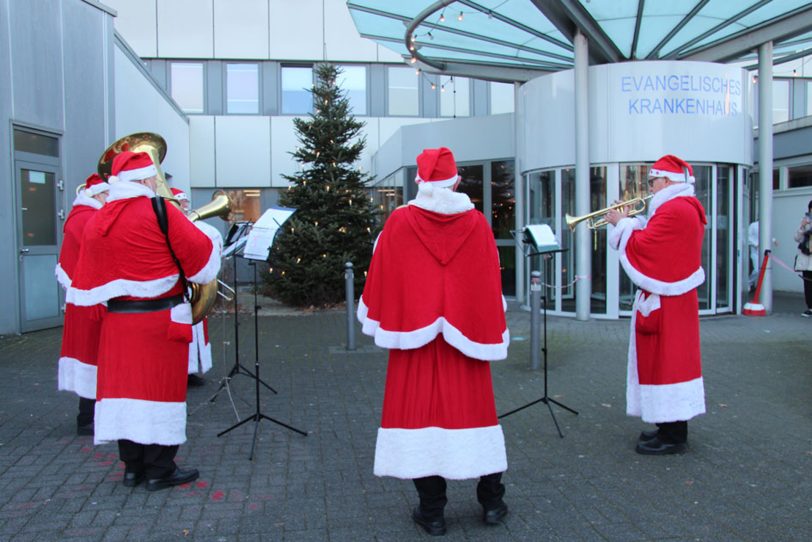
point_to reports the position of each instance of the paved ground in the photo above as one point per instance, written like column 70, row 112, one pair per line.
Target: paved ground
column 746, row 477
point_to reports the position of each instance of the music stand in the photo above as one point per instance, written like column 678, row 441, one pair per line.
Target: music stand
column 253, row 248
column 234, row 243
column 544, row 244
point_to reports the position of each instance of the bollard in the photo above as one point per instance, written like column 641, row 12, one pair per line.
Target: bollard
column 349, row 287
column 535, row 308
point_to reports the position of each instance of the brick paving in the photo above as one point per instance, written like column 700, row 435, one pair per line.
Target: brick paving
column 746, row 476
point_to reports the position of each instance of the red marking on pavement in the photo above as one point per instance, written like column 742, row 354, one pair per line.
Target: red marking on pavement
column 253, row 506
column 202, row 484
column 217, row 495
column 105, row 463
column 85, row 449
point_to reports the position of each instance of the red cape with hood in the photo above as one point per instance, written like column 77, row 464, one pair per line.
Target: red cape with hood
column 663, row 256
column 80, row 334
column 433, row 297
column 143, row 357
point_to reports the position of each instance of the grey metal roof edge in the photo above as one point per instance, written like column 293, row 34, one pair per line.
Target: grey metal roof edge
column 98, row 5
column 139, row 64
column 785, row 27
column 569, row 16
column 486, row 72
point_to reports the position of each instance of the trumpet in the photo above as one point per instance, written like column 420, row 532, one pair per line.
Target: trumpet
column 596, row 219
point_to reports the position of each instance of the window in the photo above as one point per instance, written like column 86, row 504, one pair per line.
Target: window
column 799, row 176
column 403, row 95
column 242, row 88
column 454, row 96
column 503, row 199
column 245, row 205
column 808, row 85
column 502, row 100
column 186, row 80
column 353, row 80
column 297, row 83
column 780, row 101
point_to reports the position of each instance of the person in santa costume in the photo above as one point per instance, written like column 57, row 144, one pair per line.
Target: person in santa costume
column 140, row 270
column 200, row 347
column 433, row 297
column 662, row 255
column 80, row 334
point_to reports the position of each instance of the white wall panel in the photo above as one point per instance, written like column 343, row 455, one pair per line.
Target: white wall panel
column 788, row 209
column 241, row 29
column 137, row 24
column 185, row 29
column 140, row 107
column 387, row 126
column 388, row 55
column 296, row 33
column 371, row 132
column 201, row 151
column 243, row 151
column 341, row 38
column 283, row 135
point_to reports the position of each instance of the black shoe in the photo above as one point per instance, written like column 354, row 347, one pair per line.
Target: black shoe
column 435, row 527
column 85, row 430
column 195, row 381
column 646, row 436
column 132, row 479
column 494, row 516
column 656, row 446
column 180, row 476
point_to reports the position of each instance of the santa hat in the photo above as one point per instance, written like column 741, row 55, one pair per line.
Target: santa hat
column 132, row 166
column 672, row 168
column 179, row 194
column 437, row 166
column 95, row 185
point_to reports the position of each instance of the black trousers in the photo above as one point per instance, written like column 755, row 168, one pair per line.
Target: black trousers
column 673, row 432
column 86, row 410
column 808, row 288
column 154, row 460
column 431, row 489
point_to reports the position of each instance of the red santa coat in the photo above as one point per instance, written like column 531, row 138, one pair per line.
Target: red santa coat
column 433, row 297
column 80, row 333
column 662, row 256
column 143, row 357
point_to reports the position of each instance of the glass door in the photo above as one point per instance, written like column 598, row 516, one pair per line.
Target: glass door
column 38, row 250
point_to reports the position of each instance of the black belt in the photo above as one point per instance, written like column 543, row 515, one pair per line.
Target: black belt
column 143, row 305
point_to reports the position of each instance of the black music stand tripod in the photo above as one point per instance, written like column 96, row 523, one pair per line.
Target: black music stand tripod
column 258, row 415
column 536, row 289
column 234, row 242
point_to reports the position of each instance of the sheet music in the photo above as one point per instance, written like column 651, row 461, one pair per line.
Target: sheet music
column 261, row 236
column 543, row 237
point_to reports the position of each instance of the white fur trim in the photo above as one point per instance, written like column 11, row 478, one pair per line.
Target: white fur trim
column 128, row 190
column 658, row 286
column 212, row 267
column 144, row 422
column 660, row 403
column 441, row 200
column 199, row 351
column 181, row 314
column 409, row 340
column 62, row 277
column 82, row 198
column 619, row 234
column 119, row 288
column 680, row 177
column 77, row 377
column 138, row 174
column 444, row 183
column 457, row 454
column 667, row 194
column 648, row 305
column 97, row 189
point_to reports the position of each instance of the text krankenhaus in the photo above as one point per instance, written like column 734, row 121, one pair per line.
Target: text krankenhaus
column 675, row 94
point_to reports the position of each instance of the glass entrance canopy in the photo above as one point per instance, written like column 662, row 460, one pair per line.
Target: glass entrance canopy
column 515, row 40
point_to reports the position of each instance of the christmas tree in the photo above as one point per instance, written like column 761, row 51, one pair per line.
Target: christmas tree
column 335, row 221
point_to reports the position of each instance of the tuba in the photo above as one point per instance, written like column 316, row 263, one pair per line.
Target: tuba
column 203, row 295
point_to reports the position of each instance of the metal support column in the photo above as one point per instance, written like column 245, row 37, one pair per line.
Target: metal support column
column 765, row 167
column 518, row 189
column 583, row 236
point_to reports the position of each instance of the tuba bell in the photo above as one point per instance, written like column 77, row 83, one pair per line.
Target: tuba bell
column 203, row 295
